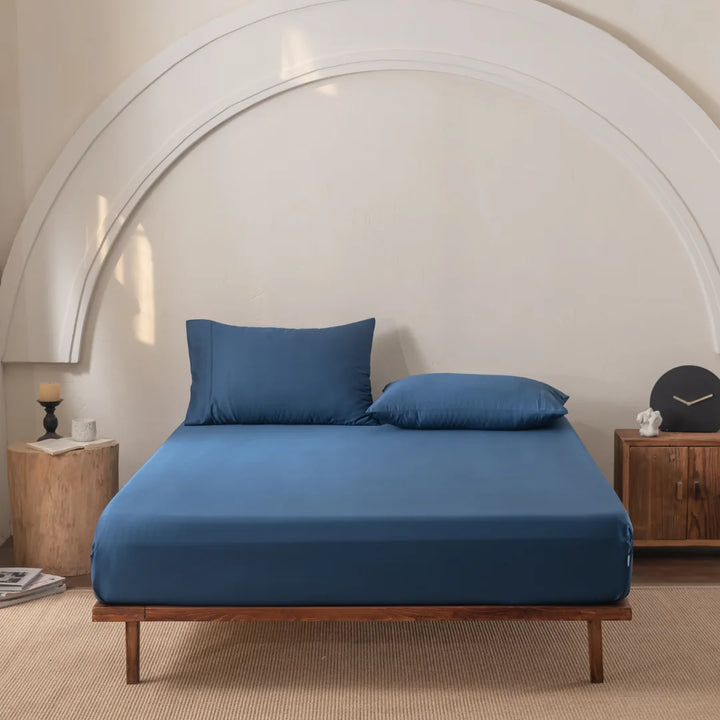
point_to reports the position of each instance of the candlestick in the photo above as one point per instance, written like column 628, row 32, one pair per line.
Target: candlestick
column 50, row 422
column 49, row 392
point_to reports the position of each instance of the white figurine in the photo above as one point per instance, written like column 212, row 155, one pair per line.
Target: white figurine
column 650, row 421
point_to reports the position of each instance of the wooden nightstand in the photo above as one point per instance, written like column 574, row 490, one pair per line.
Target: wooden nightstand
column 56, row 501
column 670, row 486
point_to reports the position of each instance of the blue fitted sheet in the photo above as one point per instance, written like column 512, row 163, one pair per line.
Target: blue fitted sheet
column 364, row 515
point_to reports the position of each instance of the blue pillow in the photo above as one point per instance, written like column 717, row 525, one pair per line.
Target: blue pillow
column 255, row 375
column 474, row 402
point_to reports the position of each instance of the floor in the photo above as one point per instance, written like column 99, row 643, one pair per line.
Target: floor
column 652, row 566
column 664, row 665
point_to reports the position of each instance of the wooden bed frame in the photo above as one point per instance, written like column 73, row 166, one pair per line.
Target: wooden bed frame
column 133, row 615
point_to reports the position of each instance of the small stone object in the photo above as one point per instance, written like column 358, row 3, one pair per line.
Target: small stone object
column 650, row 421
column 84, row 430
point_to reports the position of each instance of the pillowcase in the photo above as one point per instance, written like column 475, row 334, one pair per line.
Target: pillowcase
column 474, row 402
column 255, row 375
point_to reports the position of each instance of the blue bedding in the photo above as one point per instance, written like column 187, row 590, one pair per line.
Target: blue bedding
column 364, row 515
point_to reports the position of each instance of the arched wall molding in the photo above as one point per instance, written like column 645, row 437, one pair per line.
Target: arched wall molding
column 589, row 78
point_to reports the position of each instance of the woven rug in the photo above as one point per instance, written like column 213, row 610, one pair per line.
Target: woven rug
column 56, row 663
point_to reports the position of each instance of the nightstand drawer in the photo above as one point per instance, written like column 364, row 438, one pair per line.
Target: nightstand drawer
column 658, row 492
column 670, row 486
column 704, row 494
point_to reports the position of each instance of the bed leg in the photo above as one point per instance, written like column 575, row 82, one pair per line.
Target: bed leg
column 596, row 650
column 132, row 652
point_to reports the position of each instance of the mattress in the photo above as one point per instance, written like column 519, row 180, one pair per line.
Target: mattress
column 364, row 515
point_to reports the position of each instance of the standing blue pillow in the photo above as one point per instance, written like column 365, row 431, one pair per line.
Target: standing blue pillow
column 448, row 401
column 256, row 375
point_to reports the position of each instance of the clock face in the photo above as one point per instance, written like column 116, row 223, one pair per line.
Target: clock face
column 688, row 398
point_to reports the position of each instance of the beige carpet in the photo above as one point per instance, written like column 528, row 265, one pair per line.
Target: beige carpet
column 56, row 664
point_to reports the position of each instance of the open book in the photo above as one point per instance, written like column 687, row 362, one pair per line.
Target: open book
column 57, row 446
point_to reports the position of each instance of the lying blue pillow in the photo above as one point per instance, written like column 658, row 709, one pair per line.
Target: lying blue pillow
column 255, row 375
column 475, row 402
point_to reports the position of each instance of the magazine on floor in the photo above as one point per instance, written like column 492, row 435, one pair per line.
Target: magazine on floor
column 16, row 578
column 17, row 598
column 42, row 582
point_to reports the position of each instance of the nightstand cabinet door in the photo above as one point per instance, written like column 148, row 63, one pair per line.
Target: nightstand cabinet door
column 704, row 494
column 658, row 492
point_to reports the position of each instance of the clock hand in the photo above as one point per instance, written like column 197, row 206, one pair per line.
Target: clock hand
column 705, row 397
column 679, row 399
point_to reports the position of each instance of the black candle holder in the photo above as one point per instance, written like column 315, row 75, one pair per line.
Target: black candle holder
column 50, row 422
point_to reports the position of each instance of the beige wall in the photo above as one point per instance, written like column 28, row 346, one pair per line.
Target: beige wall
column 71, row 55
column 66, row 57
column 567, row 264
column 679, row 37
column 12, row 200
column 58, row 61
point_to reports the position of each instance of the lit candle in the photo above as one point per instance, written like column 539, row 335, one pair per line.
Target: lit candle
column 49, row 392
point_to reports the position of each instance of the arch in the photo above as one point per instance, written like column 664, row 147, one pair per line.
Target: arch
column 270, row 46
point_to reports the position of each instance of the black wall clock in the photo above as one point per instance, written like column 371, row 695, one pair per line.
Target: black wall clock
column 688, row 398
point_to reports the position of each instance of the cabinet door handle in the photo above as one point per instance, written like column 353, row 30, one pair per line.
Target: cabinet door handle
column 696, row 489
column 679, row 489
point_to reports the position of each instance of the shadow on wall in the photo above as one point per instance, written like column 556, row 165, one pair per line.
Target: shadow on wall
column 394, row 353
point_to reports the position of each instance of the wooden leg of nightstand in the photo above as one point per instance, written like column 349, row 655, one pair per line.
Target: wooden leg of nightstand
column 596, row 650
column 132, row 652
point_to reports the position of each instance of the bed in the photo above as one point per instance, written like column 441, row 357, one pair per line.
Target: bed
column 302, row 522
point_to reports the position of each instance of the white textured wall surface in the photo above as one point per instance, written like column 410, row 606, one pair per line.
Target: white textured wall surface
column 484, row 233
column 12, row 203
column 679, row 37
column 12, row 200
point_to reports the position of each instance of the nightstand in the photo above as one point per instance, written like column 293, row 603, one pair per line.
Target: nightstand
column 670, row 486
column 56, row 501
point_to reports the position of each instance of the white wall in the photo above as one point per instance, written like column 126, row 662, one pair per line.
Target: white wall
column 484, row 233
column 12, row 201
column 679, row 37
column 71, row 55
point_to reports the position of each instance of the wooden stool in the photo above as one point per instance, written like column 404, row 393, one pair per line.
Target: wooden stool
column 56, row 501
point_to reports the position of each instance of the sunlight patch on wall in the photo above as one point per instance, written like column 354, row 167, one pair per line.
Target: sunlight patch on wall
column 296, row 55
column 119, row 271
column 295, row 52
column 329, row 89
column 136, row 273
column 102, row 211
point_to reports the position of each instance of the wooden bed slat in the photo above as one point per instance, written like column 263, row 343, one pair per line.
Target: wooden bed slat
column 390, row 613
column 117, row 613
column 133, row 615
